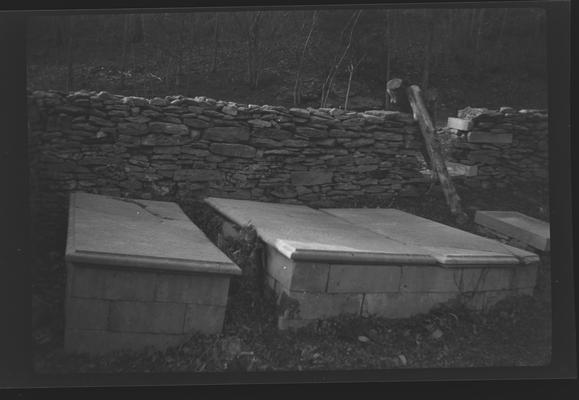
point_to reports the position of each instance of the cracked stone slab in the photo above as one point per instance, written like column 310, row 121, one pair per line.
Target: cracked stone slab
column 303, row 234
column 139, row 234
column 528, row 230
column 448, row 245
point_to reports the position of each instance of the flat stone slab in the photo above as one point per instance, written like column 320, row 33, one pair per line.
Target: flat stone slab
column 448, row 245
column 456, row 169
column 139, row 234
column 302, row 233
column 489, row 137
column 459, row 124
column 529, row 230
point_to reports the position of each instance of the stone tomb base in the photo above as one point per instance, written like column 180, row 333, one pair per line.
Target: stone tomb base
column 315, row 273
column 139, row 274
column 306, row 292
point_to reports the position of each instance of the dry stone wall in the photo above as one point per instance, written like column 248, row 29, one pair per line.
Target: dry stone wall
column 178, row 148
column 507, row 146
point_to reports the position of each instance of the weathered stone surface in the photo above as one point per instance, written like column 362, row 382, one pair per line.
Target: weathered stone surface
column 295, row 143
column 300, row 112
column 140, row 317
column 233, row 150
column 165, row 140
column 209, row 290
column 227, row 134
column 130, row 128
column 259, row 123
column 309, row 277
column 402, row 305
column 197, row 175
column 346, row 278
column 271, row 133
column 303, row 305
column 129, row 233
column 485, row 279
column 311, row 133
column 450, row 246
column 430, row 279
column 196, row 123
column 303, row 234
column 487, row 137
column 309, row 178
column 206, row 319
column 359, row 143
column 166, row 127
column 229, row 110
column 459, row 124
column 528, row 230
column 87, row 313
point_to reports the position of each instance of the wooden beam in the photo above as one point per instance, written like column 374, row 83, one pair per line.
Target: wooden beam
column 434, row 151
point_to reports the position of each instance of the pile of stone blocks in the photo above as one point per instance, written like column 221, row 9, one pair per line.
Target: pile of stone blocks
column 139, row 274
column 322, row 263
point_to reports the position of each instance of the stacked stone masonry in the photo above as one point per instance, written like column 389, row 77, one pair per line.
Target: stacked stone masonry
column 507, row 146
column 176, row 148
column 112, row 309
column 306, row 292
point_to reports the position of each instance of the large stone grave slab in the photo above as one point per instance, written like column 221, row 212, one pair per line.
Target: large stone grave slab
column 524, row 229
column 322, row 265
column 319, row 265
column 139, row 273
column 467, row 264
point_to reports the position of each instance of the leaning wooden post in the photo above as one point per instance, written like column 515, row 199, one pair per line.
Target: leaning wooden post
column 433, row 148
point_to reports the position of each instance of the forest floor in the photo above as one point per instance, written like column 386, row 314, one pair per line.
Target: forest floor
column 515, row 332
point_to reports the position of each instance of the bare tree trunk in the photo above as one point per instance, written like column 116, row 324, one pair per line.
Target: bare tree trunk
column 138, row 35
column 499, row 47
column 434, row 150
column 472, row 25
column 215, row 43
column 124, row 49
column 351, row 68
column 389, row 44
column 70, row 53
column 329, row 83
column 477, row 58
column 427, row 52
column 298, row 83
column 479, row 30
column 253, row 50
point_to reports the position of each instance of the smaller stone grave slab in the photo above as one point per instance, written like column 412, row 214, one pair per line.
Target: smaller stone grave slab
column 139, row 273
column 527, row 230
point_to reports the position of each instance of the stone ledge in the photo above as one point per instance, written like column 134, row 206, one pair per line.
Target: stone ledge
column 488, row 137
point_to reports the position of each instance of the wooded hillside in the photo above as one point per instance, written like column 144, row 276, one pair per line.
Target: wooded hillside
column 326, row 57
